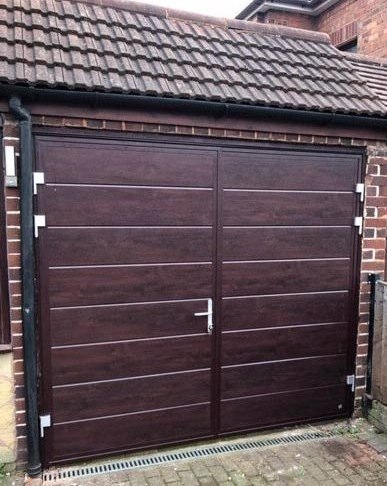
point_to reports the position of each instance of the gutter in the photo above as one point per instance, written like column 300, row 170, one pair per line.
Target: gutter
column 286, row 7
column 198, row 107
column 34, row 467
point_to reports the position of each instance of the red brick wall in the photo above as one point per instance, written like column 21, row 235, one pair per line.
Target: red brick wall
column 374, row 239
column 290, row 19
column 371, row 19
column 373, row 249
column 12, row 207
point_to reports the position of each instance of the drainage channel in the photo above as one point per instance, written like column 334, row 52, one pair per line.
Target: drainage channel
column 165, row 458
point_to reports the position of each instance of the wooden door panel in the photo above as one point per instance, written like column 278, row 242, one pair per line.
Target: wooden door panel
column 284, row 310
column 276, row 377
column 283, row 343
column 117, row 434
column 284, row 277
column 127, row 206
column 93, row 324
column 288, row 171
column 80, row 162
column 264, row 208
column 71, row 246
column 88, row 286
column 251, row 413
column 287, row 280
column 131, row 395
column 80, row 364
column 126, row 261
column 286, row 243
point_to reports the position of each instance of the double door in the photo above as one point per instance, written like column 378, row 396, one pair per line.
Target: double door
column 190, row 291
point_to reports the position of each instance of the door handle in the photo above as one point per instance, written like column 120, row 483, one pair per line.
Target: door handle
column 209, row 313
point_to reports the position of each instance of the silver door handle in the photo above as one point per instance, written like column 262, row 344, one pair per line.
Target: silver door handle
column 209, row 313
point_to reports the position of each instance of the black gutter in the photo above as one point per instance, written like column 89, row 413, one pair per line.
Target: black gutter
column 34, row 467
column 367, row 400
column 198, row 107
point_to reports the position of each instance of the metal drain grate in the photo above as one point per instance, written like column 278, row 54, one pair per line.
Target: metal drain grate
column 156, row 459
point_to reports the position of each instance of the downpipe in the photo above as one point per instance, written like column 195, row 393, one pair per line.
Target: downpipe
column 34, row 467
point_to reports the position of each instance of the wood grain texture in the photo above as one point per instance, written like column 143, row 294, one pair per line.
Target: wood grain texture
column 285, row 277
column 93, row 162
column 286, row 243
column 288, row 171
column 122, row 206
column 120, row 322
column 109, row 246
column 129, row 359
column 262, row 411
column 129, row 396
column 282, row 376
column 110, row 285
column 284, row 310
column 285, row 343
column 287, row 208
column 123, row 433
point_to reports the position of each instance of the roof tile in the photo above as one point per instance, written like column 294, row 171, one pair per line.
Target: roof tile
column 148, row 50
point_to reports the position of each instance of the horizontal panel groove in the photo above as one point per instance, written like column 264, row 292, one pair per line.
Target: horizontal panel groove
column 298, row 326
column 172, row 301
column 155, row 410
column 316, row 357
column 128, row 186
column 129, row 227
column 296, row 191
column 325, row 387
column 252, row 226
column 124, row 341
column 287, row 294
column 130, row 265
column 286, row 260
column 130, row 378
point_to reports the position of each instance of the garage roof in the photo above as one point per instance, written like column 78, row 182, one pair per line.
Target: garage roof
column 374, row 71
column 126, row 47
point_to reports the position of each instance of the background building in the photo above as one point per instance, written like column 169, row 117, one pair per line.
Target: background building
column 353, row 25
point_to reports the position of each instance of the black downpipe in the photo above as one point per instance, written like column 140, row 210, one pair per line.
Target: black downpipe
column 367, row 400
column 34, row 467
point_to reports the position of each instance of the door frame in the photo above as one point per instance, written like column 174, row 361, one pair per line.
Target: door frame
column 43, row 385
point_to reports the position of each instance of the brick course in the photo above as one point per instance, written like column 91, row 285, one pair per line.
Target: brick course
column 374, row 237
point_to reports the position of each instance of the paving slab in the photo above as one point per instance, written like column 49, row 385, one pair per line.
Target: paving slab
column 346, row 458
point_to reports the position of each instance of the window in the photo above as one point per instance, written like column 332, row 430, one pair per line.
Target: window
column 350, row 46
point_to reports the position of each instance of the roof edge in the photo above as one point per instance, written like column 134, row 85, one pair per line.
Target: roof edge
column 232, row 24
column 380, row 61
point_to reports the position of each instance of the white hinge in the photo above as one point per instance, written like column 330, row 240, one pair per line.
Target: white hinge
column 351, row 382
column 360, row 189
column 359, row 223
column 45, row 421
column 38, row 178
column 39, row 222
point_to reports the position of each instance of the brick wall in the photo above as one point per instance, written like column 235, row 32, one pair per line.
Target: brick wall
column 12, row 207
column 290, row 19
column 374, row 240
column 373, row 251
column 371, row 19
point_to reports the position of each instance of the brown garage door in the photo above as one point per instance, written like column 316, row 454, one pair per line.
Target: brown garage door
column 139, row 238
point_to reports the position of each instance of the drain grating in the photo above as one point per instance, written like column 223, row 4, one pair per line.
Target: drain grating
column 156, row 459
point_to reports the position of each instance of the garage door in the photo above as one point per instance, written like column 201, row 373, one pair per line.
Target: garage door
column 142, row 241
